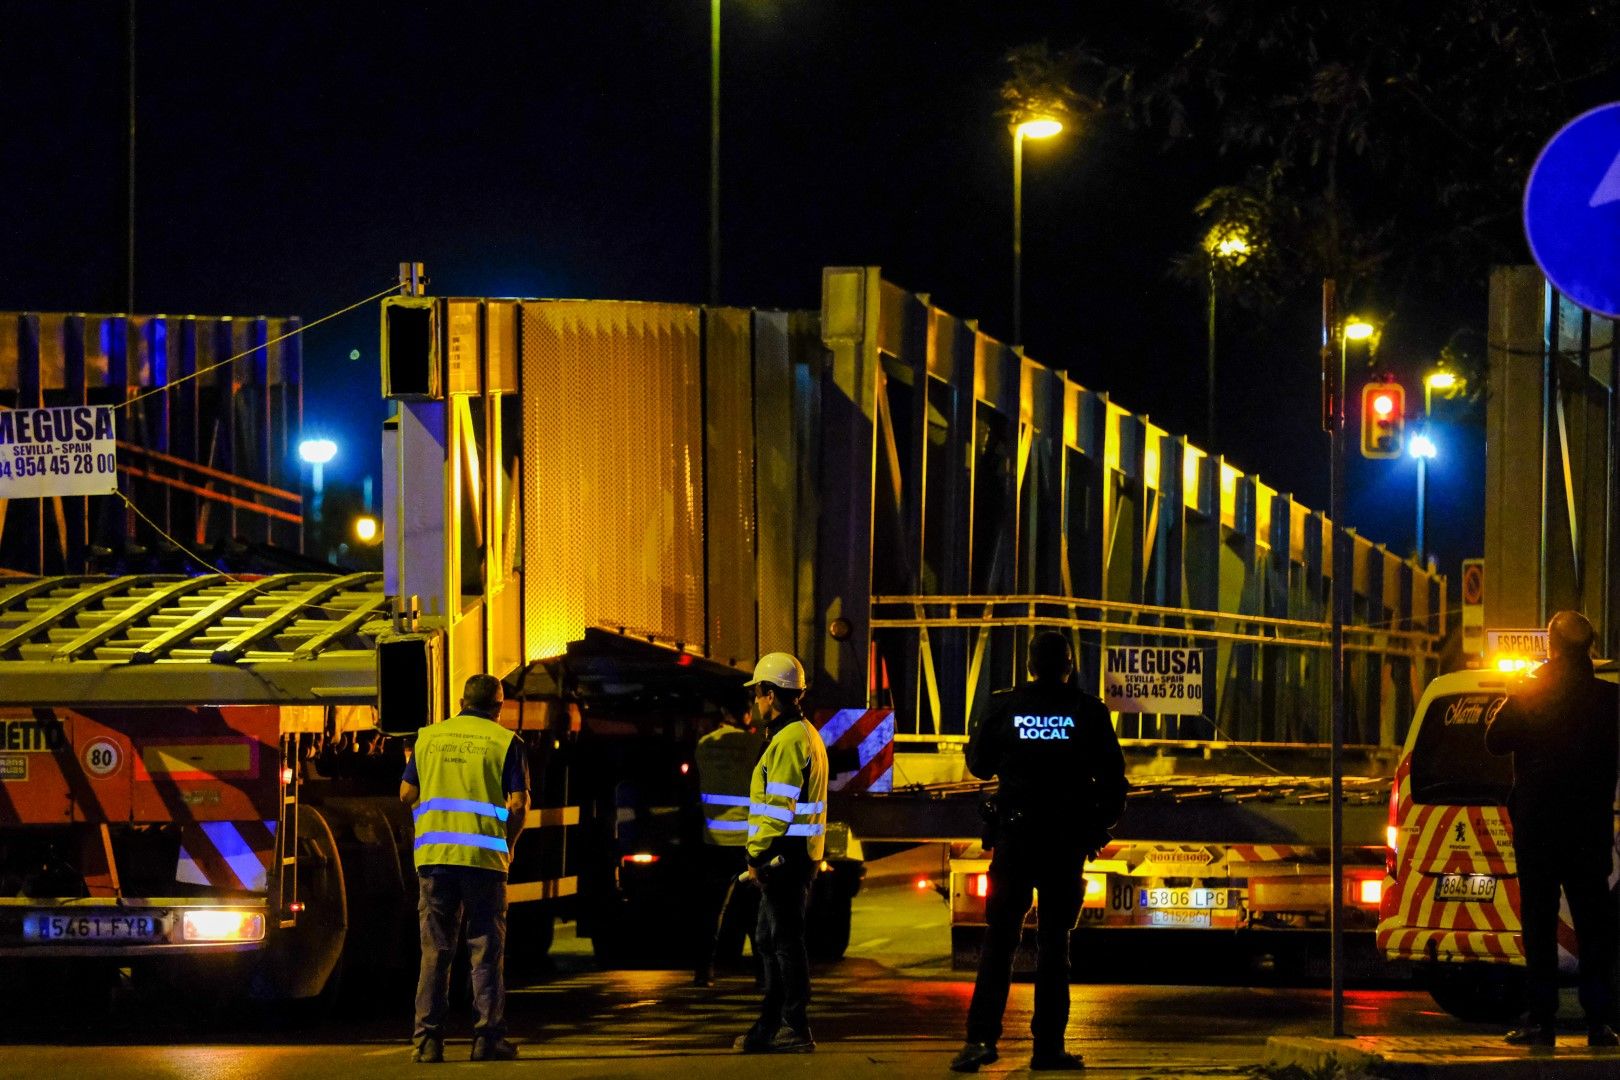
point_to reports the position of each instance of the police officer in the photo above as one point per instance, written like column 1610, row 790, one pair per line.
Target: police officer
column 725, row 766
column 1062, row 787
column 787, row 820
column 468, row 786
column 1563, row 729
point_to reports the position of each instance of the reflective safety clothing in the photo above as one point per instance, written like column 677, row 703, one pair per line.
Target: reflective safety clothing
column 725, row 764
column 787, row 798
column 461, row 813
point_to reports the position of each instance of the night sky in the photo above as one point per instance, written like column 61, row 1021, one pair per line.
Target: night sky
column 290, row 155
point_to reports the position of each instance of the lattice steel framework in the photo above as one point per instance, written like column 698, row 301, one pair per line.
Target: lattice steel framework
column 210, row 459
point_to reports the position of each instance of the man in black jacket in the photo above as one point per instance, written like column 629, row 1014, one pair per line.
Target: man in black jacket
column 1563, row 730
column 1062, row 787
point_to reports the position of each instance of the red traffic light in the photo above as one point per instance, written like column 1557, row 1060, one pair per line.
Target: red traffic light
column 1383, row 419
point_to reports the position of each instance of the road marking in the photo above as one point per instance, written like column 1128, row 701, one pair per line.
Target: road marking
column 874, row 943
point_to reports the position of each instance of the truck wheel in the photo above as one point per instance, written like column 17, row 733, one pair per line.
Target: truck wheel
column 305, row 962
column 1477, row 993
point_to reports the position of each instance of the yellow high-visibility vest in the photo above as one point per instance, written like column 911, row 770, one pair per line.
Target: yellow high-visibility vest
column 725, row 762
column 788, row 793
column 461, row 814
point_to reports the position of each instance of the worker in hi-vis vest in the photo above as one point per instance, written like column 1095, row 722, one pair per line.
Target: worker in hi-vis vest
column 787, row 822
column 725, row 763
column 467, row 784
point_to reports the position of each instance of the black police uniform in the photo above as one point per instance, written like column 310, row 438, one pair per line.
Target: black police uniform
column 1062, row 787
column 1562, row 729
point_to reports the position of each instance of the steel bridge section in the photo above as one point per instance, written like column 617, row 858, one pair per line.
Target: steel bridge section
column 212, row 458
column 739, row 482
column 973, row 473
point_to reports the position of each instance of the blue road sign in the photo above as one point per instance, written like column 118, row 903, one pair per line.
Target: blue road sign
column 1572, row 210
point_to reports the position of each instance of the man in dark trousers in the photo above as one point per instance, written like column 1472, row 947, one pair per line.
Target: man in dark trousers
column 467, row 784
column 1062, row 787
column 725, row 766
column 787, row 826
column 1563, row 729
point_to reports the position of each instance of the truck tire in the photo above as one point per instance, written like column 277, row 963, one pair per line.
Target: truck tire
column 305, row 962
column 1478, row 993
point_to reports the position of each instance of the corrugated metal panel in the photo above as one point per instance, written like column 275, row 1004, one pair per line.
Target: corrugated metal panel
column 612, row 412
column 777, row 473
column 729, row 476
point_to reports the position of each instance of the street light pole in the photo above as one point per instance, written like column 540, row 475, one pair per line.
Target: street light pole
column 1228, row 243
column 1209, row 424
column 714, row 152
column 1333, row 340
column 1039, row 128
column 1018, row 236
column 1423, row 474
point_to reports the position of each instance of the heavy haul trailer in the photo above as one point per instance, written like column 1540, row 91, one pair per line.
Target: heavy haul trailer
column 194, row 786
column 898, row 499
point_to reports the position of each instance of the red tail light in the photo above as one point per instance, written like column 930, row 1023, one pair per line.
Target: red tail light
column 980, row 885
column 1392, row 831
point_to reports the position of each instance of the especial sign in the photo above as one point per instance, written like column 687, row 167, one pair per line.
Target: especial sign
column 59, row 451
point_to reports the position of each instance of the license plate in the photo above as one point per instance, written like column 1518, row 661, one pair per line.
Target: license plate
column 1159, row 917
column 1183, row 898
column 44, row 926
column 1475, row 887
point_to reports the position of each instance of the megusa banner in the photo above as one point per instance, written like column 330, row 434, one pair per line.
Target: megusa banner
column 61, row 451
column 1150, row 679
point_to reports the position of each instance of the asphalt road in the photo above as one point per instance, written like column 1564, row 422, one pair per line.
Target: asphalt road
column 892, row 1007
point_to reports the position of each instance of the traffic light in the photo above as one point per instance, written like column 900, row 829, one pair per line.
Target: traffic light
column 1383, row 420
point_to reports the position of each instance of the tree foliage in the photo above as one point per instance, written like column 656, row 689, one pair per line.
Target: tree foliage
column 1382, row 143
column 1041, row 83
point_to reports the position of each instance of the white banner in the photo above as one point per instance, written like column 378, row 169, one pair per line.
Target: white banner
column 64, row 451
column 1150, row 679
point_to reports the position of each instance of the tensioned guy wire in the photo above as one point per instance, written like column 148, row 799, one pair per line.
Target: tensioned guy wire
column 394, row 288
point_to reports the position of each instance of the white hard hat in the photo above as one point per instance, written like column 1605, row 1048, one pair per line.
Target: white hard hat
column 779, row 669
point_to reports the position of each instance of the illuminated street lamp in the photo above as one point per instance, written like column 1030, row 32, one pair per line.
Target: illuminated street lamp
column 1040, row 127
column 1449, row 384
column 316, row 453
column 1227, row 244
column 367, row 529
column 1358, row 329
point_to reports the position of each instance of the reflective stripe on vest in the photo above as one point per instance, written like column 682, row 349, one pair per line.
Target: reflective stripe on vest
column 461, row 819
column 725, row 761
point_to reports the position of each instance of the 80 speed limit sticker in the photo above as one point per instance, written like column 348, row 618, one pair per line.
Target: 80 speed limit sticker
column 102, row 756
